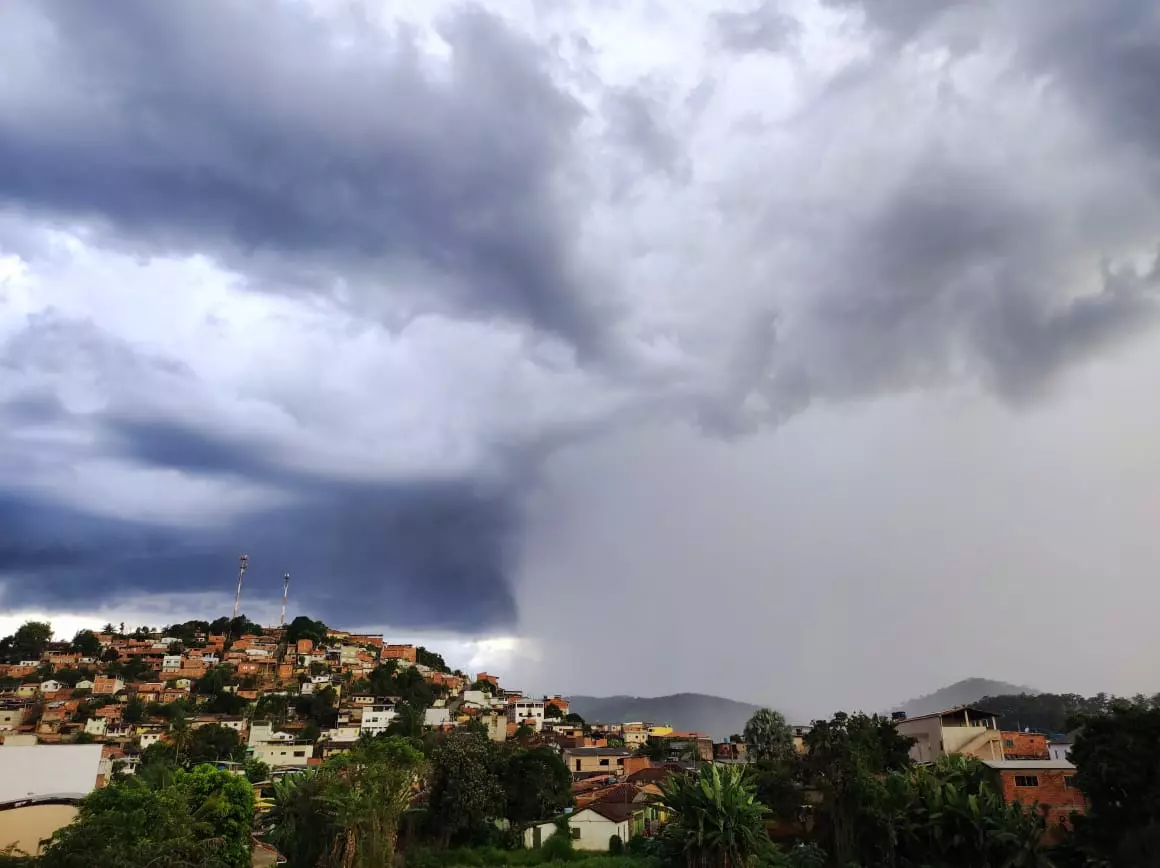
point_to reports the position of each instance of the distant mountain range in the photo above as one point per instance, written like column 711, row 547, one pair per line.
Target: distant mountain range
column 961, row 693
column 720, row 717
column 696, row 712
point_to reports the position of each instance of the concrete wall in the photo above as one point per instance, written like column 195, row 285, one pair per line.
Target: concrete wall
column 27, row 827
column 595, row 831
column 48, row 769
column 927, row 733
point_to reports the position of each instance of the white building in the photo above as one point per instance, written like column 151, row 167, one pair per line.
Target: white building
column 436, row 717
column 276, row 754
column 84, row 684
column 171, row 662
column 592, row 828
column 11, row 717
column 96, row 725
column 262, row 731
column 376, row 718
column 1059, row 750
column 52, row 686
column 525, row 712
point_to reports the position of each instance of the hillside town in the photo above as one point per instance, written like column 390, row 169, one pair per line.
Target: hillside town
column 267, row 702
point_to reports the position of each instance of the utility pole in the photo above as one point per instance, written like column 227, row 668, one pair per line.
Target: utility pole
column 285, row 588
column 243, row 561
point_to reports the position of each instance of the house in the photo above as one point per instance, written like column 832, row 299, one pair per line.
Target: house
column 376, row 718
column 262, row 731
column 964, row 729
column 436, row 717
column 493, row 680
column 106, row 686
column 400, row 652
column 96, row 725
column 1058, row 747
column 559, row 703
column 276, row 754
column 11, row 716
column 1025, row 745
column 1049, row 784
column 526, row 713
column 28, row 689
column 593, row 827
column 583, row 761
column 52, row 686
column 83, row 684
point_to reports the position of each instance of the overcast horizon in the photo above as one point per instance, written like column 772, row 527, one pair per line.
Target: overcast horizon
column 800, row 351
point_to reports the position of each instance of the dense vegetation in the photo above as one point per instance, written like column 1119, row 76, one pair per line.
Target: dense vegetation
column 1056, row 712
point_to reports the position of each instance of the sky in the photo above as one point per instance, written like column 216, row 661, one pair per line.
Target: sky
column 800, row 351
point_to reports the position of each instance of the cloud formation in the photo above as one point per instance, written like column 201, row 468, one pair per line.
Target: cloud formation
column 356, row 289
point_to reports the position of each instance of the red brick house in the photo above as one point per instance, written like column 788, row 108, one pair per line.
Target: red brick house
column 1049, row 784
column 1024, row 745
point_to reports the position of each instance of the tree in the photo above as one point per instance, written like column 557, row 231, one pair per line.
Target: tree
column 181, row 737
column 134, row 711
column 656, row 749
column 465, row 792
column 1117, row 759
column 846, row 762
column 552, row 711
column 717, row 819
column 574, row 718
column 256, row 771
column 30, row 640
column 298, row 823
column 305, row 628
column 214, row 743
column 408, row 721
column 768, row 737
column 536, row 783
column 226, row 703
column 201, row 818
column 430, row 658
column 524, row 731
column 215, row 680
column 86, row 643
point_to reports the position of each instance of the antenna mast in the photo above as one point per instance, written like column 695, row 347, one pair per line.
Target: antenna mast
column 285, row 589
column 243, row 561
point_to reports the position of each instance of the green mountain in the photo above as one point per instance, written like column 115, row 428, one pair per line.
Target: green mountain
column 961, row 693
column 696, row 712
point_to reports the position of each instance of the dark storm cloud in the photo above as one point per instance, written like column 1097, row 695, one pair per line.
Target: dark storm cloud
column 248, row 133
column 413, row 554
column 765, row 28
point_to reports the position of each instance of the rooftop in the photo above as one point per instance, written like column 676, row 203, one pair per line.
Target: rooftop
column 1030, row 765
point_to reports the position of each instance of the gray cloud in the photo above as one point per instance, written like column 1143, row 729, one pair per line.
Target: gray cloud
column 765, row 28
column 256, row 138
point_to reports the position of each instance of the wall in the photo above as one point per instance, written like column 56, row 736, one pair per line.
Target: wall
column 977, row 741
column 11, row 718
column 595, row 831
column 1052, row 793
column 610, row 764
column 27, row 827
column 1059, row 750
column 928, row 734
column 1024, row 745
column 281, row 755
column 43, row 770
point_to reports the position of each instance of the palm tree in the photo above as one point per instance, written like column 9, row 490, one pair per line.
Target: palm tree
column 717, row 818
column 181, row 737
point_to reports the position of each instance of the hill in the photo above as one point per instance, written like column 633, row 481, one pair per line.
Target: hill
column 961, row 693
column 712, row 715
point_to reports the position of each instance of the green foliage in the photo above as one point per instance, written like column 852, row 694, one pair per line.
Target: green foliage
column 615, row 846
column 27, row 643
column 536, row 784
column 1056, row 712
column 347, row 813
column 524, row 731
column 1117, row 758
column 559, row 847
column 408, row 721
column 256, row 771
column 465, row 791
column 272, row 707
column 768, row 737
column 407, row 684
column 201, row 818
column 846, row 761
column 552, row 711
column 226, row 703
column 304, row 628
column 717, row 819
column 188, row 632
column 215, row 680
column 86, row 643
column 430, row 658
column 215, row 743
column 952, row 814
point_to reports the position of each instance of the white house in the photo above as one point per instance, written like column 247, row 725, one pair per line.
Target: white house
column 526, row 712
column 592, row 828
column 436, row 717
column 171, row 662
column 341, row 734
column 275, row 754
column 1059, row 750
column 84, row 684
column 96, row 725
column 376, row 718
column 52, row 686
column 263, row 731
column 150, row 738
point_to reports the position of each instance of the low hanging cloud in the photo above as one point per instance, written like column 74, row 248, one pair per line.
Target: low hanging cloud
column 332, row 287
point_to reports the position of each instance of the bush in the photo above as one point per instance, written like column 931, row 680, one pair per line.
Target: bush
column 615, row 846
column 558, row 848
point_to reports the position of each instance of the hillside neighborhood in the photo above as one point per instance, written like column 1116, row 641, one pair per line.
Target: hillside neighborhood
column 265, row 703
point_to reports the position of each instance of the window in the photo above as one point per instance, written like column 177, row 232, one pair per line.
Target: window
column 604, row 762
column 299, row 753
column 1008, row 742
column 1026, row 780
column 1069, row 782
column 577, row 765
column 575, row 834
